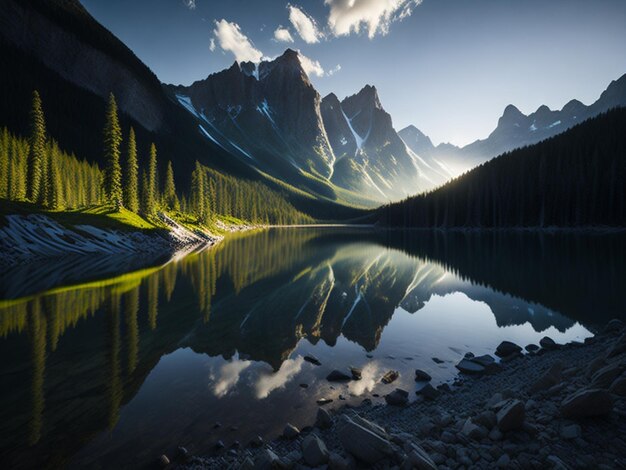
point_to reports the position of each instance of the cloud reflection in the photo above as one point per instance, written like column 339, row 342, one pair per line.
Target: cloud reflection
column 270, row 382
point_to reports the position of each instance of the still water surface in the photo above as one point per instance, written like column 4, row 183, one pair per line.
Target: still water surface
column 102, row 370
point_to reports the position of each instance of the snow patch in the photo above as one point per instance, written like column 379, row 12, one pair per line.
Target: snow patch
column 554, row 124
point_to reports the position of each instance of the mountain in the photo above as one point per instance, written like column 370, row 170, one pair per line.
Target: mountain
column 575, row 179
column 434, row 169
column 515, row 130
column 370, row 156
column 74, row 63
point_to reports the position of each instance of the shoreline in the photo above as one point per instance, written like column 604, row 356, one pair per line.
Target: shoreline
column 558, row 406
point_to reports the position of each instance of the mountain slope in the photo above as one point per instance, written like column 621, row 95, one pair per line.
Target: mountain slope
column 576, row 179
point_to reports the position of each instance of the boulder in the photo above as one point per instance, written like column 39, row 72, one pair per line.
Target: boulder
column 428, row 392
column 511, row 416
column 552, row 377
column 323, row 419
column 467, row 366
column 362, row 441
column 418, row 457
column 398, row 397
column 532, row 348
column 356, row 373
column 487, row 419
column 587, row 403
column 474, row 431
column 338, row 376
column 314, row 451
column 290, row 431
column 547, row 343
column 619, row 347
column 485, row 360
column 604, row 377
column 390, row 376
column 618, row 387
column 266, row 460
column 614, row 326
column 312, row 359
column 422, row 376
column 507, row 348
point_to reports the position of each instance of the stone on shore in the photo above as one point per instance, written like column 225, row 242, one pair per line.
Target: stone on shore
column 473, row 430
column 532, row 348
column 587, row 403
column 511, row 416
column 468, row 366
column 398, row 397
column 552, row 377
column 618, row 387
column 362, row 441
column 323, row 419
column 547, row 343
column 428, row 392
column 338, row 376
column 290, row 431
column 266, row 460
column 422, row 376
column 604, row 377
column 314, row 451
column 507, row 348
column 418, row 457
column 572, row 431
column 390, row 376
column 337, row 462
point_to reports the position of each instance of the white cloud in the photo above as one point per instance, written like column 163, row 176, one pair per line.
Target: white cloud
column 334, row 70
column 228, row 376
column 304, row 25
column 212, row 44
column 230, row 38
column 268, row 383
column 310, row 66
column 375, row 16
column 191, row 4
column 282, row 35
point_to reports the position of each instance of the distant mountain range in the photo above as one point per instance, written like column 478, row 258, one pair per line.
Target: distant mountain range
column 514, row 130
column 264, row 122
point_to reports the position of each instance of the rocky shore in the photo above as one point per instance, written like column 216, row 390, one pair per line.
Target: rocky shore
column 547, row 406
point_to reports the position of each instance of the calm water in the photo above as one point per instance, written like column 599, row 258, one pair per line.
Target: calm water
column 121, row 368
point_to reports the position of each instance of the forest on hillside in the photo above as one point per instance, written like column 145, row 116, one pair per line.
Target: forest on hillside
column 36, row 170
column 575, row 179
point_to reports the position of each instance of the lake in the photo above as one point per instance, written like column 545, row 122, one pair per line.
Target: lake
column 106, row 363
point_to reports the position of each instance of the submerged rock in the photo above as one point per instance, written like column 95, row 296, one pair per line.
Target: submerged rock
column 356, row 373
column 422, row 376
column 312, row 359
column 390, row 377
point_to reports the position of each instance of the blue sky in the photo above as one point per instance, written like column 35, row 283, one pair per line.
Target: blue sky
column 447, row 66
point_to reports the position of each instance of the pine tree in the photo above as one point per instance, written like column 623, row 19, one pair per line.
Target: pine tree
column 113, row 170
column 4, row 163
column 153, row 190
column 37, row 152
column 198, row 192
column 170, row 199
column 54, row 193
column 145, row 193
column 131, row 184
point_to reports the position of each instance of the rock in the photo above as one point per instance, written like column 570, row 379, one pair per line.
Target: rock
column 266, row 460
column 474, row 431
column 485, row 360
column 556, row 463
column 532, row 348
column 219, row 445
column 594, row 366
column 164, row 461
column 398, row 397
column 338, row 376
column 418, row 457
column 437, row 360
column 619, row 347
column 232, row 453
column 363, row 441
column 356, row 373
column 604, row 377
column 304, row 385
column 291, row 459
column 324, row 401
column 290, row 431
column 247, row 464
column 312, row 359
column 614, row 326
column 421, row 376
column 337, row 462
column 323, row 419
column 257, row 441
column 587, row 403
column 506, row 348
column 428, row 392
column 572, row 431
column 390, row 376
column 547, row 343
column 468, row 366
column 495, row 399
column 552, row 377
column 504, row 461
column 511, row 416
column 495, row 434
column 488, row 419
column 314, row 451
column 618, row 387
column 182, row 453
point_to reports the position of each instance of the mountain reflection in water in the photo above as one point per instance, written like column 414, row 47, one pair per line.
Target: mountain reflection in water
column 116, row 371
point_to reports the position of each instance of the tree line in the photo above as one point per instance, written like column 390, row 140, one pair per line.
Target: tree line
column 575, row 179
column 36, row 170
